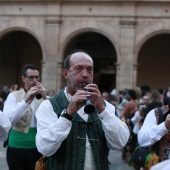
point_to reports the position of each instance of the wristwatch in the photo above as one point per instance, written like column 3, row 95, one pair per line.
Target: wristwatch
column 66, row 115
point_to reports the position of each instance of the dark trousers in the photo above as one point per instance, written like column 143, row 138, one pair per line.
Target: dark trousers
column 22, row 159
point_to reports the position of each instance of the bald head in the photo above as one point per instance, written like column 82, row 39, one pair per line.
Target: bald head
column 75, row 56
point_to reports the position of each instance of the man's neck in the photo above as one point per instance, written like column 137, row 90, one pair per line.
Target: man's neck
column 68, row 91
column 25, row 90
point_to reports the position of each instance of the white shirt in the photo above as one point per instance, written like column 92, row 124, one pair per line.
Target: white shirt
column 15, row 110
column 134, row 121
column 150, row 132
column 5, row 126
column 52, row 131
column 164, row 165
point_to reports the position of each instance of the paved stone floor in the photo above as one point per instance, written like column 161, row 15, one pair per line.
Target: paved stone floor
column 3, row 165
column 116, row 163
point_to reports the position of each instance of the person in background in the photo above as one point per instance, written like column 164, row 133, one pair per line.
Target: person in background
column 155, row 101
column 152, row 132
column 127, row 114
column 14, row 87
column 66, row 134
column 5, row 126
column 136, row 120
column 106, row 96
column 114, row 100
column 138, row 94
column 123, row 99
column 50, row 92
column 4, row 92
column 130, row 106
column 145, row 100
column 161, row 92
column 141, row 124
column 20, row 107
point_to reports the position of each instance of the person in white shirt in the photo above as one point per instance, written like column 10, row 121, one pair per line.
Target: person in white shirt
column 162, row 165
column 139, row 115
column 152, row 132
column 66, row 135
column 5, row 126
column 20, row 107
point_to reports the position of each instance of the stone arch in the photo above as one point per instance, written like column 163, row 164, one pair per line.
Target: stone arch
column 84, row 30
column 24, row 47
column 10, row 29
column 76, row 35
column 147, row 33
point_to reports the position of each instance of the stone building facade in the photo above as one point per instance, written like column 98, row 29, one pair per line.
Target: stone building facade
column 129, row 40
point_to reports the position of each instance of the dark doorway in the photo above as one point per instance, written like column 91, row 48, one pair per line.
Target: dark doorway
column 17, row 48
column 153, row 60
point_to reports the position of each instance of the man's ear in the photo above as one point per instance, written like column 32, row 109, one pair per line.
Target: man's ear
column 23, row 78
column 65, row 71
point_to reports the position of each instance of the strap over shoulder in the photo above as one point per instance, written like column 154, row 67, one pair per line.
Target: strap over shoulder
column 161, row 117
column 161, row 113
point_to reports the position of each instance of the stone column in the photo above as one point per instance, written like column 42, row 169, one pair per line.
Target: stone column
column 135, row 66
column 59, row 76
column 50, row 63
column 118, row 76
column 126, row 72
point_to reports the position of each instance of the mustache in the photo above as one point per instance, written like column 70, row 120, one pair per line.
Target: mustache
column 84, row 83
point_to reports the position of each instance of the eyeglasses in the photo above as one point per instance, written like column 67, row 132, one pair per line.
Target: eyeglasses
column 31, row 78
column 88, row 138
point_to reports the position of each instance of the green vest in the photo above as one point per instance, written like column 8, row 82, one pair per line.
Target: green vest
column 71, row 154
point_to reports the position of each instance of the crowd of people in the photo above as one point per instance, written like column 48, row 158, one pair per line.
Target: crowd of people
column 138, row 109
column 56, row 126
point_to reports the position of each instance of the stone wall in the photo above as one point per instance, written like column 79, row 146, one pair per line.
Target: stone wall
column 127, row 24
